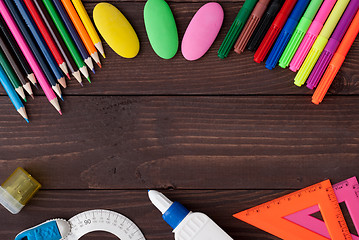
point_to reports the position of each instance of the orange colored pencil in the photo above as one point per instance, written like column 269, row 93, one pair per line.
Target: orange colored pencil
column 81, row 30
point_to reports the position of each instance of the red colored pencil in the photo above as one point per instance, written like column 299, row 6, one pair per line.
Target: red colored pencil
column 45, row 33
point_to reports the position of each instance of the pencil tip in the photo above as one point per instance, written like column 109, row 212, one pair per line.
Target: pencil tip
column 99, row 64
column 35, row 84
column 62, row 98
column 68, row 76
column 27, row 120
column 81, row 84
column 32, row 96
column 60, row 112
column 88, row 79
column 93, row 70
column 25, row 100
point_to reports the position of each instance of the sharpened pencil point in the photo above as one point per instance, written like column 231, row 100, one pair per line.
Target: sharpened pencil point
column 88, row 79
column 93, row 70
column 99, row 64
column 32, row 96
column 60, row 112
column 81, row 84
column 68, row 76
column 62, row 98
column 27, row 120
column 25, row 100
column 35, row 84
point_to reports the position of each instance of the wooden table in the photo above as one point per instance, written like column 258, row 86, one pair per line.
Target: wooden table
column 217, row 135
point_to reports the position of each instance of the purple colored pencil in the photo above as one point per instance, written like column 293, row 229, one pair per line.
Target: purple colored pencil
column 332, row 44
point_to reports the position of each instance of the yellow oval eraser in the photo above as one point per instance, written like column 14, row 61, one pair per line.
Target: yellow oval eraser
column 116, row 30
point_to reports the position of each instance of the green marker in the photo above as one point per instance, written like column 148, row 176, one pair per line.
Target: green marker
column 11, row 75
column 66, row 37
column 299, row 33
column 236, row 28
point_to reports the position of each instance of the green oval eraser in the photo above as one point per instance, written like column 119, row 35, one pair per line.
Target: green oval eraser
column 161, row 28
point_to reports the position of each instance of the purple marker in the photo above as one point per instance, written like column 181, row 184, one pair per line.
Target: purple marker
column 332, row 44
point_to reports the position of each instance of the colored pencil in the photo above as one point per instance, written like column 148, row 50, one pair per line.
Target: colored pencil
column 337, row 61
column 47, row 37
column 81, row 31
column 10, row 41
column 70, row 27
column 11, row 75
column 59, row 42
column 66, row 37
column 89, row 26
column 4, row 11
column 19, row 106
column 41, row 43
column 15, row 65
column 33, row 46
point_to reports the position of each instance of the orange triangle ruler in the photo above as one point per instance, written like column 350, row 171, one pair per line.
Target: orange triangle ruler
column 270, row 216
column 346, row 191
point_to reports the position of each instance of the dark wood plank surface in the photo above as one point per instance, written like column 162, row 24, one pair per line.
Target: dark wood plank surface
column 224, row 135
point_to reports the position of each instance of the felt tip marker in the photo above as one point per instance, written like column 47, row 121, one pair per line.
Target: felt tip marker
column 236, row 28
column 286, row 33
column 332, row 44
column 274, row 30
column 320, row 43
column 299, row 33
column 337, row 61
column 264, row 24
column 311, row 35
column 194, row 226
column 250, row 26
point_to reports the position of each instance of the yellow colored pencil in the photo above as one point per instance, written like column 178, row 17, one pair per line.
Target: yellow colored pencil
column 88, row 25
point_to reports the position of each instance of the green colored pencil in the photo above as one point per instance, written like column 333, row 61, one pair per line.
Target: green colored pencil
column 11, row 75
column 66, row 37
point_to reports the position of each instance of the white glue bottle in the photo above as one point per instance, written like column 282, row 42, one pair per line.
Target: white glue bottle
column 186, row 225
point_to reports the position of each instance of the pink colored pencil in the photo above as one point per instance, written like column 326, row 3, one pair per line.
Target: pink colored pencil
column 29, row 56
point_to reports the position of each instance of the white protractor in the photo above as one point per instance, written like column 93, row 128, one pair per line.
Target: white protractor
column 103, row 220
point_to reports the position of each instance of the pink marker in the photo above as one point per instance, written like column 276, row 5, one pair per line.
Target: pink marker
column 311, row 35
column 29, row 56
column 346, row 191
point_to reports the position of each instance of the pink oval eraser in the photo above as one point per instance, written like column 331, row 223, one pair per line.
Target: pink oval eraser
column 202, row 31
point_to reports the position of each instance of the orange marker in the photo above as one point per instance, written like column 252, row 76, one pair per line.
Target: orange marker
column 270, row 216
column 81, row 30
column 337, row 61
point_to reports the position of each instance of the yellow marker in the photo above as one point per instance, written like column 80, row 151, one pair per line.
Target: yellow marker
column 320, row 42
column 116, row 30
column 17, row 190
column 88, row 25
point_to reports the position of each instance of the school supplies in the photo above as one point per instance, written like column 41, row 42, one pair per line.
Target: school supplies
column 274, row 30
column 250, row 26
column 11, row 75
column 332, row 44
column 116, row 30
column 320, row 42
column 75, row 37
column 29, row 56
column 88, row 25
column 43, row 47
column 70, row 62
column 17, row 190
column 11, row 42
column 202, row 31
column 286, row 33
column 336, row 61
column 186, row 225
column 270, row 216
column 161, row 28
column 311, row 35
column 264, row 24
column 346, row 191
column 236, row 28
column 47, row 37
column 299, row 33
column 66, row 38
column 81, row 31
column 86, row 222
column 55, row 229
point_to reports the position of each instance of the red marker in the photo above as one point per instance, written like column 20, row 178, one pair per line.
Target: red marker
column 274, row 30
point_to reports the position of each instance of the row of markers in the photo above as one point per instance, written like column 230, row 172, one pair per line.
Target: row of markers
column 312, row 36
column 49, row 39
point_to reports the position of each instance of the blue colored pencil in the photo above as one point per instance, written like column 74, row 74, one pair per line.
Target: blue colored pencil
column 79, row 44
column 41, row 42
column 33, row 46
column 19, row 106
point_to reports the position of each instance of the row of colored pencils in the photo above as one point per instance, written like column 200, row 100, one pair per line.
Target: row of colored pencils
column 310, row 36
column 44, row 41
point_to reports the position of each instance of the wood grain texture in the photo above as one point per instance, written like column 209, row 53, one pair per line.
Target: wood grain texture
column 182, row 142
column 237, row 74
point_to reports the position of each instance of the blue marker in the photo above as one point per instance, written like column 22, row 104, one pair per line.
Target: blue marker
column 75, row 37
column 286, row 33
column 41, row 42
column 5, row 82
